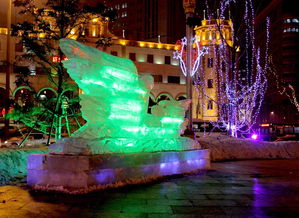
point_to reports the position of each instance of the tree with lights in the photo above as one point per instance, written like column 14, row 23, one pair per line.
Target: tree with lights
column 56, row 20
column 283, row 88
column 237, row 71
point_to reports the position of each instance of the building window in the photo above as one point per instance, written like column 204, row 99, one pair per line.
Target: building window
column 19, row 47
column 150, row 58
column 132, row 56
column 174, row 79
column 93, row 30
column 181, row 97
column 223, row 87
column 21, row 70
column 167, row 60
column 198, row 109
column 113, row 53
column 291, row 30
column 2, row 68
column 295, row 20
column 210, row 62
column 210, row 83
column 210, row 105
column 223, row 66
column 158, row 78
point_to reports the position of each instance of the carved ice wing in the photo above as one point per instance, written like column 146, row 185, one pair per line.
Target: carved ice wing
column 74, row 49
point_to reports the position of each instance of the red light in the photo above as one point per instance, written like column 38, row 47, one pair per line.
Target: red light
column 56, row 59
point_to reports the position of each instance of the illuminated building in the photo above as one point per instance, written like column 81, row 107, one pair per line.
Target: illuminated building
column 150, row 57
column 210, row 38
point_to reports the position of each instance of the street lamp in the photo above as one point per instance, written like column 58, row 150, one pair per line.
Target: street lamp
column 189, row 7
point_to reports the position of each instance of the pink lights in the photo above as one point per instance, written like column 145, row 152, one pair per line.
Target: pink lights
column 254, row 136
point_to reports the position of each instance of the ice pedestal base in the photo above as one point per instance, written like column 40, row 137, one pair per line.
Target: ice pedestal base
column 82, row 174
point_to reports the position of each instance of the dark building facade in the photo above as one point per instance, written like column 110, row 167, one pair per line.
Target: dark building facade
column 284, row 51
column 149, row 20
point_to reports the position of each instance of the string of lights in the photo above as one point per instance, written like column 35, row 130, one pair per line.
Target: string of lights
column 239, row 88
column 282, row 87
column 197, row 53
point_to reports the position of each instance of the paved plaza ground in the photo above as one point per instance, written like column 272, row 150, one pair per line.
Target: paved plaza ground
column 256, row 188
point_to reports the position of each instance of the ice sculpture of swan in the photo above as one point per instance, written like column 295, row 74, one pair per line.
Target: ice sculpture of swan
column 114, row 103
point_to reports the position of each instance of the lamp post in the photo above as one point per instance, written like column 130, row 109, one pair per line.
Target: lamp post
column 8, row 70
column 189, row 7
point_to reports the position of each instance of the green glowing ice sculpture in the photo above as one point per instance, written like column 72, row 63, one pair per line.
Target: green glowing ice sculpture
column 114, row 104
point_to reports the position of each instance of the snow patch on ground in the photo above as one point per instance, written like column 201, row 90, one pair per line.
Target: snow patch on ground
column 14, row 162
column 223, row 147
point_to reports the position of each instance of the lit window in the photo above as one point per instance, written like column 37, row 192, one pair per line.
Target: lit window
column 295, row 20
column 288, row 20
column 32, row 72
column 94, row 32
column 210, row 105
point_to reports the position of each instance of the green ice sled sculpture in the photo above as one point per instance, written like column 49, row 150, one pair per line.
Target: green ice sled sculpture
column 114, row 103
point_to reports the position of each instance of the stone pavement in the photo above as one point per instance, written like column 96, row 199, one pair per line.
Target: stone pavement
column 258, row 188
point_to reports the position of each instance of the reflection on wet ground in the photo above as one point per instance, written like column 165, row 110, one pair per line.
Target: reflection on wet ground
column 259, row 188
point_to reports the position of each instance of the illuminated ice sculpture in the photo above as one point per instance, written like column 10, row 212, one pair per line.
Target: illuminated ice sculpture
column 114, row 102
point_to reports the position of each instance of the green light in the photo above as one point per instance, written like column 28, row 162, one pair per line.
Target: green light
column 171, row 120
column 115, row 102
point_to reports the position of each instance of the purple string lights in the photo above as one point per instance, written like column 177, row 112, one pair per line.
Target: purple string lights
column 241, row 86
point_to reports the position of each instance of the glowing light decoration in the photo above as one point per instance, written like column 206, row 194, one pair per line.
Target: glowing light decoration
column 198, row 52
column 56, row 59
column 283, row 87
column 114, row 102
column 254, row 136
column 239, row 88
column 244, row 86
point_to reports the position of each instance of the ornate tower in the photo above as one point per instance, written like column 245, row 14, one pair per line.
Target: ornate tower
column 216, row 35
